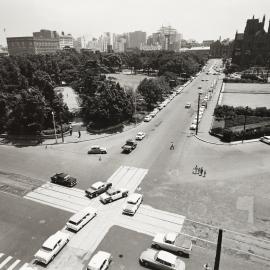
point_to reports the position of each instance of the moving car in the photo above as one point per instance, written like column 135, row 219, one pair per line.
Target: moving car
column 173, row 242
column 140, row 135
column 100, row 261
column 64, row 179
column 188, row 105
column 97, row 189
column 129, row 146
column 162, row 260
column 113, row 194
column 147, row 118
column 96, row 149
column 80, row 219
column 132, row 204
column 51, row 247
column 265, row 139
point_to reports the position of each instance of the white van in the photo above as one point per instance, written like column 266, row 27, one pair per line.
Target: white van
column 78, row 220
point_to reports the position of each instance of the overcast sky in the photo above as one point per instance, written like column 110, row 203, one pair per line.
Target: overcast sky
column 199, row 19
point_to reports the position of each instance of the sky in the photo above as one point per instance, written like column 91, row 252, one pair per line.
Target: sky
column 198, row 19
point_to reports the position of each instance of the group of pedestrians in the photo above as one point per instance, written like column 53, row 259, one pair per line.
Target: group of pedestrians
column 199, row 170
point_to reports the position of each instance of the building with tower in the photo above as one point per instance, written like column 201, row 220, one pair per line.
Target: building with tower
column 252, row 48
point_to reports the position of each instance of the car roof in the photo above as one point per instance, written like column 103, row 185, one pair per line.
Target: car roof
column 98, row 258
column 61, row 174
column 79, row 215
column 97, row 185
column 134, row 197
column 167, row 257
column 95, row 146
column 140, row 133
column 51, row 241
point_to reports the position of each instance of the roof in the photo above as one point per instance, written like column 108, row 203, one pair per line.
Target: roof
column 170, row 237
column 97, row 185
column 50, row 242
column 134, row 197
column 95, row 146
column 98, row 258
column 79, row 215
column 166, row 256
column 239, row 36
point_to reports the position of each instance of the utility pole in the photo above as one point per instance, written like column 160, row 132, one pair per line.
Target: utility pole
column 197, row 124
column 218, row 251
column 54, row 128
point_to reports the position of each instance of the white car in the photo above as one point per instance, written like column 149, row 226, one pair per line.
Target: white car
column 132, row 204
column 265, row 139
column 113, row 194
column 140, row 135
column 51, row 247
column 177, row 243
column 154, row 113
column 192, row 127
column 80, row 219
column 100, row 261
column 147, row 118
column 188, row 105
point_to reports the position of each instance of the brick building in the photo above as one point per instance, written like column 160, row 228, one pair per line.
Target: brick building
column 252, row 47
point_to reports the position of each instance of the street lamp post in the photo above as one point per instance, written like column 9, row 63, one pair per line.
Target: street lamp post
column 198, row 109
column 54, row 127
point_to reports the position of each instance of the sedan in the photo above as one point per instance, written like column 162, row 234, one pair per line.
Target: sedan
column 147, row 118
column 140, row 135
column 95, row 149
column 113, row 194
column 265, row 139
column 162, row 260
column 97, row 189
column 133, row 203
column 100, row 261
column 192, row 127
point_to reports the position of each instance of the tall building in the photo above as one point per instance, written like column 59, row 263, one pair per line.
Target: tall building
column 253, row 46
column 119, row 42
column 136, row 39
column 65, row 41
column 43, row 42
column 167, row 37
column 221, row 49
column 78, row 44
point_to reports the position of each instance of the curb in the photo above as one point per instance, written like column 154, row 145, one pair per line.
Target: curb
column 227, row 144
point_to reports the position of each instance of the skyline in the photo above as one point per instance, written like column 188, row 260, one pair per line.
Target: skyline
column 201, row 20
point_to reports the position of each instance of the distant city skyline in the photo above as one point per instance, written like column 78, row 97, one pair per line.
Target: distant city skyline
column 200, row 20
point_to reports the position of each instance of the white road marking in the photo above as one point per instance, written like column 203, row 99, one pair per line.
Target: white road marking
column 1, row 255
column 3, row 263
column 14, row 265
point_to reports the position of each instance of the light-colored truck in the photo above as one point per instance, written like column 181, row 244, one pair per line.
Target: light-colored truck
column 177, row 243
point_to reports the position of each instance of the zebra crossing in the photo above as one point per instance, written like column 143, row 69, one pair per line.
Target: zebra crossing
column 73, row 199
column 11, row 263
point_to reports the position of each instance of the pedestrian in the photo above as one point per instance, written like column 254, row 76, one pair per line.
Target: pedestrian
column 79, row 132
column 204, row 173
column 206, row 267
column 201, row 170
column 70, row 130
column 172, row 146
column 99, row 158
column 196, row 169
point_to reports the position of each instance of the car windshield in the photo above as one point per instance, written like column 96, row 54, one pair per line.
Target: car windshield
column 131, row 202
column 129, row 143
column 46, row 249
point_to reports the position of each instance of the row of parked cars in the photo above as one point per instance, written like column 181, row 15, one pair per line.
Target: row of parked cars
column 201, row 111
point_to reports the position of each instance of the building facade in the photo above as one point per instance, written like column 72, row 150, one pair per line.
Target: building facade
column 43, row 42
column 221, row 49
column 252, row 48
column 136, row 39
column 66, row 41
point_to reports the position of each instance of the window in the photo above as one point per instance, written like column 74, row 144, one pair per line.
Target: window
column 103, row 264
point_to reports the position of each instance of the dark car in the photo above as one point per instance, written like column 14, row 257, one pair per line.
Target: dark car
column 129, row 146
column 97, row 189
column 64, row 179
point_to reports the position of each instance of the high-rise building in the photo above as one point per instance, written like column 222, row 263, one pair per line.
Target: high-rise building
column 77, row 44
column 136, row 39
column 65, row 41
column 119, row 42
column 43, row 42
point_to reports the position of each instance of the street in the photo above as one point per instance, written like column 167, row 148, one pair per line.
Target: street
column 162, row 175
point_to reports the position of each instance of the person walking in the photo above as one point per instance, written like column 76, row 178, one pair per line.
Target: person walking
column 70, row 130
column 172, row 146
column 204, row 173
column 79, row 133
column 196, row 169
column 206, row 266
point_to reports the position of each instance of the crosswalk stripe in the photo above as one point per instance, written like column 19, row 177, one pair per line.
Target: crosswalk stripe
column 14, row 265
column 3, row 263
column 25, row 267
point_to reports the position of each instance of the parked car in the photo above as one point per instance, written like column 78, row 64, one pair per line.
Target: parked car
column 188, row 105
column 113, row 194
column 192, row 127
column 100, row 261
column 265, row 139
column 177, row 243
column 147, row 118
column 140, row 135
column 97, row 189
column 64, row 179
column 96, row 149
column 162, row 260
column 132, row 204
column 80, row 219
column 51, row 247
column 129, row 146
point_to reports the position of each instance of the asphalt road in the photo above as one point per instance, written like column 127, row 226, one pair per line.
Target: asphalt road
column 168, row 184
